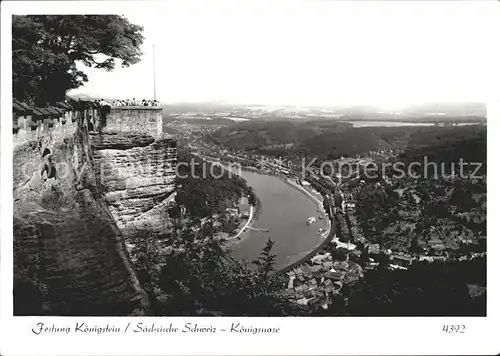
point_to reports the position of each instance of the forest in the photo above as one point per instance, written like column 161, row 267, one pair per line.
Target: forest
column 334, row 139
column 213, row 193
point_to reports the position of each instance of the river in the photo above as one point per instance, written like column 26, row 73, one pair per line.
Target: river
column 397, row 123
column 284, row 211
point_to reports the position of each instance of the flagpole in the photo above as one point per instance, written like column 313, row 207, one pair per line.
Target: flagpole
column 154, row 74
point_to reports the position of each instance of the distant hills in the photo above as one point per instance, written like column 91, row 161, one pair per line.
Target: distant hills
column 331, row 139
column 430, row 111
column 424, row 111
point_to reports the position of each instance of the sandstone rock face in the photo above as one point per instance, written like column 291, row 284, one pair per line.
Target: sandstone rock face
column 137, row 174
column 69, row 254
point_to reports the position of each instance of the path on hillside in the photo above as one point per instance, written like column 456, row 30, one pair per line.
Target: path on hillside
column 250, row 217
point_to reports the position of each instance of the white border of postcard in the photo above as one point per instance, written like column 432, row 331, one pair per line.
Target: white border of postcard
column 298, row 336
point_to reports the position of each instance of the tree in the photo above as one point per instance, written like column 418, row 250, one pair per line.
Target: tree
column 203, row 279
column 265, row 262
column 45, row 50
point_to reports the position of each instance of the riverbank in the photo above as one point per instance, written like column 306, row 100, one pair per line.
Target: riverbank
column 284, row 207
column 327, row 236
column 325, row 242
column 254, row 209
column 313, row 198
column 287, row 180
column 250, row 218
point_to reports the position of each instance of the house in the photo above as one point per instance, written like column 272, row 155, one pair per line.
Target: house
column 314, row 300
column 232, row 211
column 436, row 245
column 350, row 204
column 309, row 293
column 318, row 258
column 327, row 264
column 372, row 265
column 335, row 275
column 435, row 242
column 306, row 270
column 438, row 249
column 402, row 260
column 393, row 266
column 244, row 206
column 340, row 265
column 312, row 282
column 318, row 274
column 315, row 268
column 302, row 301
column 298, row 272
column 432, row 258
column 330, row 289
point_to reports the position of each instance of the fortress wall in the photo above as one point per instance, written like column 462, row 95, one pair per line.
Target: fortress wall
column 67, row 230
column 135, row 164
column 133, row 161
column 142, row 119
column 32, row 130
column 69, row 255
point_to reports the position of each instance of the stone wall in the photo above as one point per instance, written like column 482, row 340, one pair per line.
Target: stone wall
column 143, row 119
column 69, row 255
column 82, row 184
column 134, row 160
column 29, row 128
column 135, row 164
column 138, row 177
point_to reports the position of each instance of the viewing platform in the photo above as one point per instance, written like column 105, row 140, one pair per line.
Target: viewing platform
column 145, row 119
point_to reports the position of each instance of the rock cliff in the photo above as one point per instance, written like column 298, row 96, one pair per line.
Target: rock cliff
column 137, row 174
column 69, row 254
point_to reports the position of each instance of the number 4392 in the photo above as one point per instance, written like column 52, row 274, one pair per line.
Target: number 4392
column 457, row 329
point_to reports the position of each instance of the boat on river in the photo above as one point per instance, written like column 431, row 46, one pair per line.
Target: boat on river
column 310, row 220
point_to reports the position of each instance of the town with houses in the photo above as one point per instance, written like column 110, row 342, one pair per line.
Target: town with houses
column 345, row 253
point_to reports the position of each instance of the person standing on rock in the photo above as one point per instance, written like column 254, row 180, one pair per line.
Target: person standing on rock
column 104, row 110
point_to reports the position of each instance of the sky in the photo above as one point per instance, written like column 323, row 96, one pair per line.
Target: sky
column 307, row 52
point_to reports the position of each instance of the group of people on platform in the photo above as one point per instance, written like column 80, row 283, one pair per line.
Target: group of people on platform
column 134, row 102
